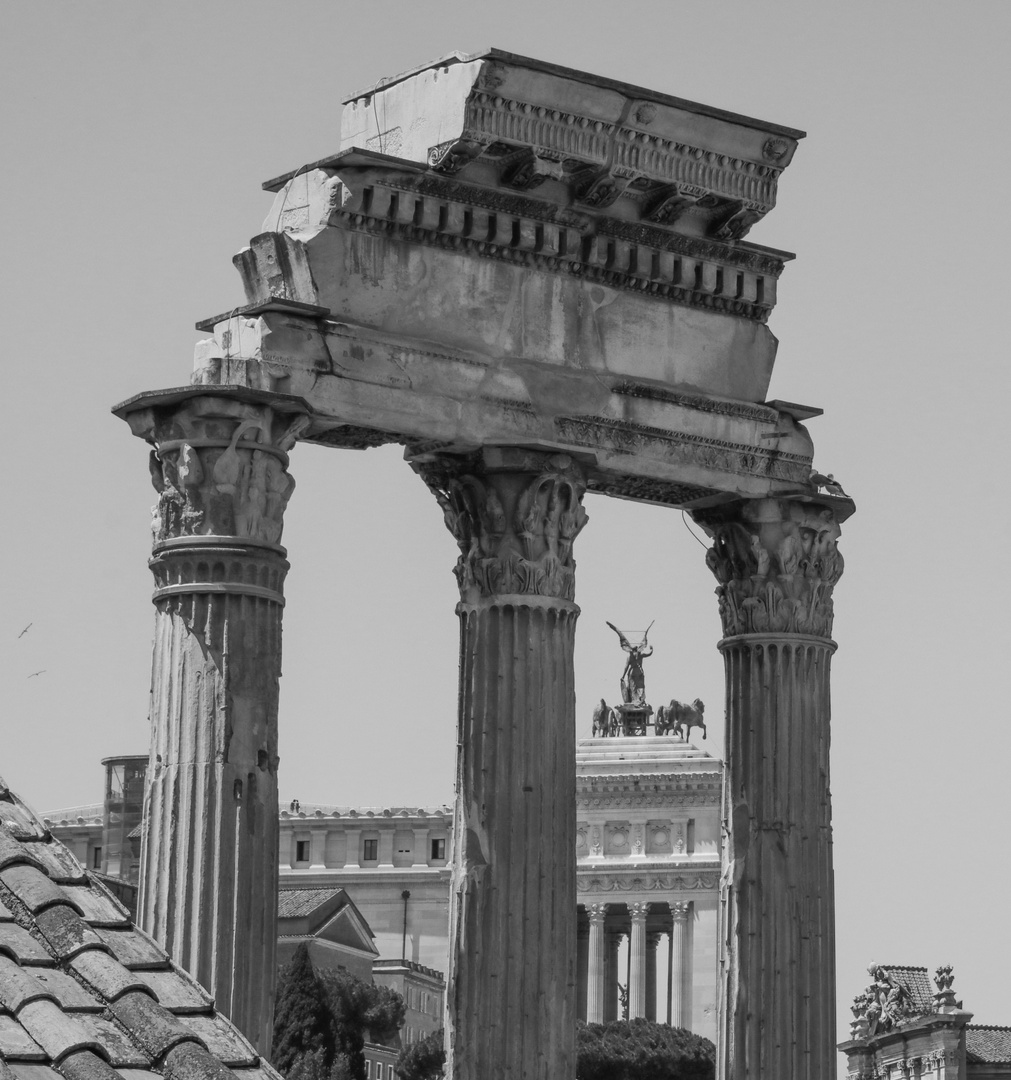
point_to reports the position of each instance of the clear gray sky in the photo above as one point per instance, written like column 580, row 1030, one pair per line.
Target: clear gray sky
column 135, row 138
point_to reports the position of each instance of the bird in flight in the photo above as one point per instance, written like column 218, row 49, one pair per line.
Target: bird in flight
column 34, row 673
column 25, row 631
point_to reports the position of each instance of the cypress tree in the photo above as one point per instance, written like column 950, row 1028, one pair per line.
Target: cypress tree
column 302, row 1022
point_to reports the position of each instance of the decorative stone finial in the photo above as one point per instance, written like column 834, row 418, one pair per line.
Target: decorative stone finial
column 945, row 996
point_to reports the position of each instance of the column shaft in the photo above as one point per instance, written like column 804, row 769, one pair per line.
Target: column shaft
column 209, row 850
column 780, row 1013
column 512, row 927
column 679, row 966
column 637, row 962
column 652, row 941
column 611, row 1001
column 511, row 987
column 777, row 563
column 596, row 965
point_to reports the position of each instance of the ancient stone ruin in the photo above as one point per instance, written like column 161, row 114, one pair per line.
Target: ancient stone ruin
column 538, row 282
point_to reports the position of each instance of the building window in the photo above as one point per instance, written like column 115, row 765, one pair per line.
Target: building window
column 301, row 851
column 438, row 849
column 379, row 1070
column 371, row 852
column 368, row 1070
column 96, row 858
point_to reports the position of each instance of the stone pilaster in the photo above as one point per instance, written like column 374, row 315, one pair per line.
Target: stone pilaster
column 512, row 970
column 777, row 563
column 677, row 1013
column 209, row 854
column 637, row 961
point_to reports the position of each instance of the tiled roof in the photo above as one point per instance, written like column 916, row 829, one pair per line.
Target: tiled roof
column 85, row 994
column 984, row 1043
column 917, row 984
column 297, row 903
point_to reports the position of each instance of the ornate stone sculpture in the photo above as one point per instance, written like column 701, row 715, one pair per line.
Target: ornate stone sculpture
column 776, row 565
column 222, row 475
column 515, row 527
column 885, row 1003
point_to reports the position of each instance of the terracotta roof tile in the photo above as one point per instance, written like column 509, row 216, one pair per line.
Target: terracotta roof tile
column 65, row 932
column 132, row 949
column 176, row 991
column 84, row 995
column 54, row 1030
column 56, row 861
column 17, row 943
column 85, row 1065
column 26, row 1071
column 987, row 1043
column 16, row 1044
column 18, row 986
column 32, row 887
column 917, row 984
column 296, row 903
column 97, row 905
column 105, row 974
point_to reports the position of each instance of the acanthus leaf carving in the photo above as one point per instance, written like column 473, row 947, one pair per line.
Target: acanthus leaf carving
column 222, row 475
column 777, row 562
column 515, row 526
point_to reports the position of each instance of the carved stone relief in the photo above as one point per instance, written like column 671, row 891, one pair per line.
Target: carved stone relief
column 515, row 526
column 222, row 475
column 776, row 563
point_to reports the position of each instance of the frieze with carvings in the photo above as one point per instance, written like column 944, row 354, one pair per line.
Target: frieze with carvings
column 776, row 563
column 515, row 527
column 639, row 152
column 645, row 882
column 683, row 448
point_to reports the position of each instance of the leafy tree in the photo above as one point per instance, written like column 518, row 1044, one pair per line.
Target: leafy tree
column 312, row 1066
column 358, row 1009
column 322, row 1019
column 302, row 1023
column 642, row 1050
column 424, row 1060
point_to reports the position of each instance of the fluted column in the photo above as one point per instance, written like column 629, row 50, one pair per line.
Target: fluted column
column 637, row 961
column 596, row 964
column 582, row 966
column 209, row 853
column 678, row 981
column 652, row 941
column 612, row 943
column 512, row 968
column 777, row 563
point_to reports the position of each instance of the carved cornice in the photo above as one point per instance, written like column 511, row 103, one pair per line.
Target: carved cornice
column 742, row 410
column 220, row 469
column 515, row 519
column 776, row 562
column 646, row 489
column 643, row 264
column 710, row 796
column 621, row 148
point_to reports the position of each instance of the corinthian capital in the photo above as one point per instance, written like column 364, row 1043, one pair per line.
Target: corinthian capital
column 776, row 562
column 219, row 464
column 515, row 515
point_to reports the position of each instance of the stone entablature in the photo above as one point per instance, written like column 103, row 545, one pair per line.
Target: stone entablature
column 315, row 837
